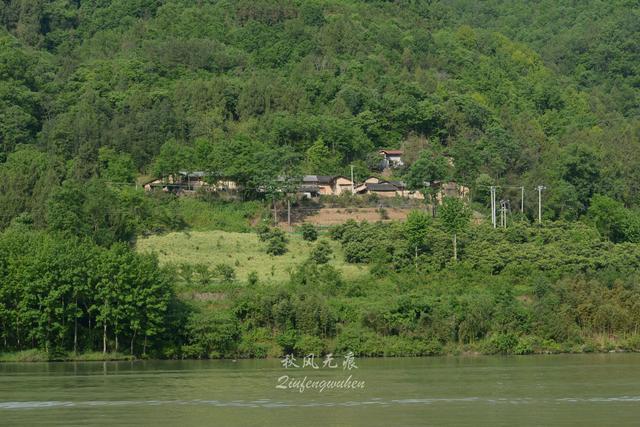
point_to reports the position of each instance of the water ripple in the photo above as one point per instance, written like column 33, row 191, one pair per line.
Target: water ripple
column 267, row 403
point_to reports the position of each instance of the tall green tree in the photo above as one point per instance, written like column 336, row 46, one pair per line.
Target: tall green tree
column 426, row 173
column 455, row 216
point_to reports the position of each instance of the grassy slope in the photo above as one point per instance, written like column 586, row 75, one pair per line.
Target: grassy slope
column 241, row 250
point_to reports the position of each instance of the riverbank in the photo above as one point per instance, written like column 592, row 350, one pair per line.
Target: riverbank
column 42, row 356
column 525, row 346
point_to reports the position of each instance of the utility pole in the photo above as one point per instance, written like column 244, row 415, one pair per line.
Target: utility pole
column 352, row 188
column 540, row 188
column 289, row 213
column 522, row 200
column 493, row 205
column 275, row 212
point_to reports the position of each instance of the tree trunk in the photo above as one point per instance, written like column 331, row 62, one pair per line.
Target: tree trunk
column 434, row 200
column 275, row 213
column 75, row 330
column 18, row 331
column 455, row 247
column 133, row 337
column 144, row 346
column 104, row 338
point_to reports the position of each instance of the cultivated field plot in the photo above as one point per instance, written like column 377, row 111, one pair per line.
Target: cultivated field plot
column 243, row 251
column 333, row 216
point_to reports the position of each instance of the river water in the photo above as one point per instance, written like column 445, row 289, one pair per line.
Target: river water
column 596, row 389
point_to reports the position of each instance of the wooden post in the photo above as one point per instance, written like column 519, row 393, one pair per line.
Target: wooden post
column 275, row 212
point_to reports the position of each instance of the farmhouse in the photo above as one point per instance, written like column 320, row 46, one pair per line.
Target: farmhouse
column 391, row 158
column 383, row 189
column 342, row 185
column 185, row 181
column 318, row 184
column 322, row 185
column 450, row 189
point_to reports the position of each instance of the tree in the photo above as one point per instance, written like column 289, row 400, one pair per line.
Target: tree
column 613, row 220
column 116, row 167
column 91, row 209
column 321, row 254
column 26, row 179
column 173, row 158
column 429, row 169
column 319, row 160
column 455, row 216
column 276, row 240
column 416, row 229
column 309, row 232
column 581, row 167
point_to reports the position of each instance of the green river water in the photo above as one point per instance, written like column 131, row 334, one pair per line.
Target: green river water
column 595, row 389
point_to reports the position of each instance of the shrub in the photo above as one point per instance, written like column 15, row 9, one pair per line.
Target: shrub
column 321, row 254
column 264, row 232
column 384, row 214
column 252, row 278
column 225, row 272
column 211, row 334
column 309, row 232
column 504, row 343
column 287, row 340
column 255, row 343
column 203, row 274
column 308, row 344
column 277, row 242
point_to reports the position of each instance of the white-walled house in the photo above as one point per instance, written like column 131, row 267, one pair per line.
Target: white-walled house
column 391, row 158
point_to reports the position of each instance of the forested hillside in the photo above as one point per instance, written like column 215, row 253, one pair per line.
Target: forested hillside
column 523, row 92
column 98, row 97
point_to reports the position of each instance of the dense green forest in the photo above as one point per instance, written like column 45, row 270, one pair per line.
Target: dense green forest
column 95, row 94
column 535, row 92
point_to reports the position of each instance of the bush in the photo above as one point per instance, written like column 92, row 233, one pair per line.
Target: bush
column 264, row 232
column 504, row 343
column 211, row 334
column 308, row 344
column 225, row 272
column 277, row 242
column 255, row 343
column 202, row 273
column 309, row 232
column 287, row 341
column 321, row 254
column 252, row 279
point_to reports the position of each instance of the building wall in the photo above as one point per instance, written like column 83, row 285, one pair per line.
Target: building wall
column 325, row 189
column 452, row 189
column 342, row 185
column 395, row 160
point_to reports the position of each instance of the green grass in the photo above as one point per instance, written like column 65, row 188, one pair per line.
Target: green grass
column 35, row 355
column 205, row 215
column 32, row 355
column 243, row 251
